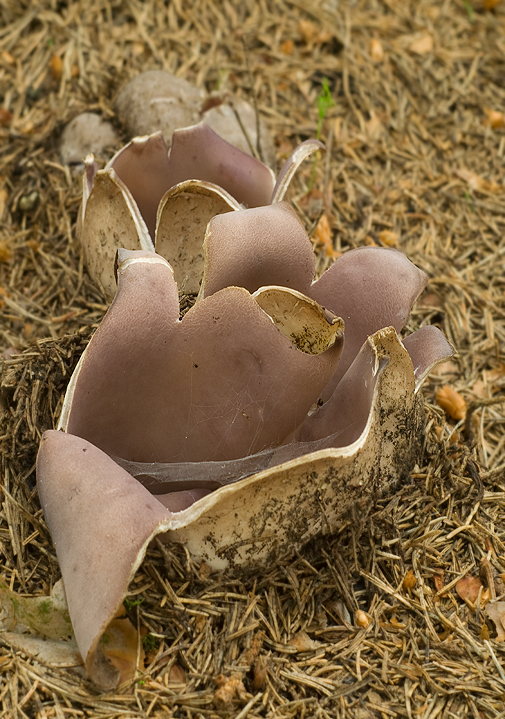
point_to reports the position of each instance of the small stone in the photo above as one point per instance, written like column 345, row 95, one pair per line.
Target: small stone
column 158, row 101
column 87, row 133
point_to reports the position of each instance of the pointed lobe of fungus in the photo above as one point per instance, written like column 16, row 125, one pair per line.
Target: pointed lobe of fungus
column 183, row 215
column 370, row 288
column 257, row 247
column 98, row 551
column 199, row 153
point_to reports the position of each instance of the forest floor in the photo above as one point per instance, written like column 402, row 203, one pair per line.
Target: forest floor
column 375, row 621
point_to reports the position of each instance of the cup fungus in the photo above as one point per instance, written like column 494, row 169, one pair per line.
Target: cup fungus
column 244, row 429
column 148, row 199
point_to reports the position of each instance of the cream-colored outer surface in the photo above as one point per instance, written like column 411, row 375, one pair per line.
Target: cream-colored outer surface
column 183, row 215
column 110, row 220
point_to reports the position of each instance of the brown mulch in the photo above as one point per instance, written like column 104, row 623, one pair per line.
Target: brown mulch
column 369, row 623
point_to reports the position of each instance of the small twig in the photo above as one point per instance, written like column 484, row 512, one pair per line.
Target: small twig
column 245, row 711
column 253, row 150
column 495, row 660
column 476, row 404
column 259, row 149
column 472, row 470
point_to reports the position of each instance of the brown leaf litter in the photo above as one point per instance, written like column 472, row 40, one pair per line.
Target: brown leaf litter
column 369, row 623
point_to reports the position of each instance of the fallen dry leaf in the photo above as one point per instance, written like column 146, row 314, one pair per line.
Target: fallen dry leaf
column 45, row 615
column 311, row 33
column 422, row 45
column 496, row 373
column 5, row 116
column 396, row 623
column 409, row 580
column 479, row 389
column 56, row 65
column 288, row 47
column 494, row 118
column 490, row 4
column 469, row 588
column 5, row 252
column 204, row 571
column 47, row 651
column 439, row 582
column 430, row 299
column 322, row 236
column 7, row 57
column 388, row 238
column 476, row 182
column 312, row 203
column 376, row 50
column 374, row 127
column 3, row 202
column 448, row 369
column 451, row 402
column 495, row 610
column 120, row 644
column 363, row 619
column 302, row 642
column 260, row 674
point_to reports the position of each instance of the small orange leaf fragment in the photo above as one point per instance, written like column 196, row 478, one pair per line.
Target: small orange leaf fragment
column 376, row 50
column 496, row 373
column 422, row 45
column 409, row 580
column 494, row 118
column 476, row 182
column 468, row 589
column 5, row 252
column 56, row 65
column 322, row 235
column 484, row 632
column 308, row 31
column 260, row 674
column 3, row 201
column 5, row 116
column 388, row 238
column 363, row 619
column 490, row 4
column 451, row 402
column 8, row 58
column 288, row 47
column 439, row 582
